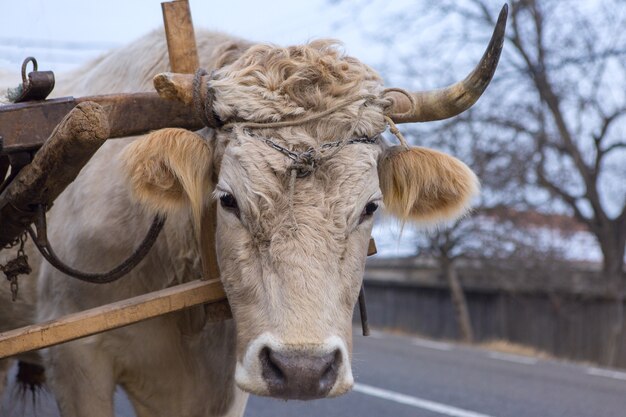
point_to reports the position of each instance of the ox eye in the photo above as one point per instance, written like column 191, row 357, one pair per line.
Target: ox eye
column 368, row 211
column 228, row 203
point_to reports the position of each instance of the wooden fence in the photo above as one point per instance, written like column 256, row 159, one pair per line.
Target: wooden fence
column 566, row 324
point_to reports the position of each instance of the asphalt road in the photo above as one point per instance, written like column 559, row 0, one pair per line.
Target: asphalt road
column 403, row 376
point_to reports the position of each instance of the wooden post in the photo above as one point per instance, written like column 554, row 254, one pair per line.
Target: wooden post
column 111, row 316
column 181, row 40
column 181, row 46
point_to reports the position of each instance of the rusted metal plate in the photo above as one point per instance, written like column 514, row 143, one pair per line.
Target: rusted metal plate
column 39, row 86
column 26, row 126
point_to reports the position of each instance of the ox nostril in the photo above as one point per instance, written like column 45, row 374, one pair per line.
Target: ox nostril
column 329, row 376
column 295, row 375
column 272, row 373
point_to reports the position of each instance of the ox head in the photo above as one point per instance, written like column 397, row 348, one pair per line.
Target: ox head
column 296, row 164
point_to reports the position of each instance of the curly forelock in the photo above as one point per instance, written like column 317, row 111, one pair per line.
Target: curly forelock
column 269, row 83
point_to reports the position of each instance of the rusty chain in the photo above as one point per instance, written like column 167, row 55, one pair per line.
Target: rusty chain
column 17, row 266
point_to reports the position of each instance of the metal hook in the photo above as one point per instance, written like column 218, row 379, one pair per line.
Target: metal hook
column 25, row 64
column 36, row 85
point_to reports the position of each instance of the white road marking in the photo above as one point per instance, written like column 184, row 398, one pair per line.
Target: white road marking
column 432, row 345
column 525, row 360
column 607, row 373
column 416, row 402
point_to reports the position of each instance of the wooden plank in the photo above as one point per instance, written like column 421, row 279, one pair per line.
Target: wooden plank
column 181, row 40
column 110, row 316
column 371, row 247
column 210, row 269
column 134, row 114
column 26, row 126
column 183, row 54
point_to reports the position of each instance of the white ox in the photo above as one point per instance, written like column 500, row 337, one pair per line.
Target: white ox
column 291, row 250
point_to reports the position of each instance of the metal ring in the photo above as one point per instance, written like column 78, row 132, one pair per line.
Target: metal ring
column 25, row 63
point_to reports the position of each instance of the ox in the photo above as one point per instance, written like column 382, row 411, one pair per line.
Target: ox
column 291, row 235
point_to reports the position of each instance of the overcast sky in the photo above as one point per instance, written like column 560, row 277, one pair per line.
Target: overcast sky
column 73, row 30
column 118, row 21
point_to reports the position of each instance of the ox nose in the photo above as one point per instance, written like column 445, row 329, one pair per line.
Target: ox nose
column 300, row 376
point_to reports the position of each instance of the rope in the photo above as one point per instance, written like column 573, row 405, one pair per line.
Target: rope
column 204, row 108
column 289, row 123
column 408, row 95
column 396, row 132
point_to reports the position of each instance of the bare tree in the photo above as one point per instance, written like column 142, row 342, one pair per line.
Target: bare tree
column 558, row 99
column 444, row 245
column 570, row 59
column 491, row 234
column 553, row 119
column 496, row 239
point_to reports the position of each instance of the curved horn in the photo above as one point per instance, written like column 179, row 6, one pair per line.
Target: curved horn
column 447, row 102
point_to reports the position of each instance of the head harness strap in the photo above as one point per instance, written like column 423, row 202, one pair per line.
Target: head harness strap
column 204, row 108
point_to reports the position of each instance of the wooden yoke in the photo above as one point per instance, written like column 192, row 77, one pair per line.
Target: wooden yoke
column 183, row 54
column 79, row 135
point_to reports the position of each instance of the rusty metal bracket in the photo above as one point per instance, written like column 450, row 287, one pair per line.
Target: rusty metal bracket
column 37, row 86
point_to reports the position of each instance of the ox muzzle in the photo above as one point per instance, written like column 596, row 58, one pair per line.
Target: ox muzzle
column 295, row 371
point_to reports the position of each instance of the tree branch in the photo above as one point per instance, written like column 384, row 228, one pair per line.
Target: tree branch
column 552, row 100
column 613, row 147
column 569, row 199
column 600, row 136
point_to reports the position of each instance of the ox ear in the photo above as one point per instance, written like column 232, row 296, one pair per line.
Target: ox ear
column 169, row 170
column 426, row 186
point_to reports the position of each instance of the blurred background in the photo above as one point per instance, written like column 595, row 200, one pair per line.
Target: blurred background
column 540, row 261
